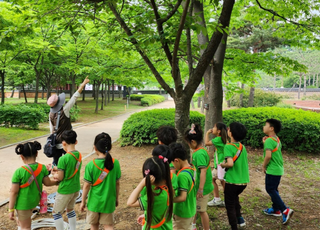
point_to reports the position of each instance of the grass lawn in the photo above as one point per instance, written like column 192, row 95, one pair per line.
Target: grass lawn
column 114, row 108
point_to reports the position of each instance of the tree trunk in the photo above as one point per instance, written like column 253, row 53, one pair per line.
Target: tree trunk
column 74, row 86
column 309, row 80
column 299, row 86
column 11, row 96
column 192, row 104
column 24, row 93
column 94, row 90
column 202, row 104
column 181, row 120
column 108, row 90
column 42, row 93
column 274, row 82
column 304, row 85
column 214, row 113
column 317, row 82
column 2, row 72
column 240, row 97
column 105, row 93
column 199, row 102
column 112, row 90
column 102, row 92
column 37, row 86
column 314, row 79
column 119, row 89
column 97, row 96
column 251, row 96
column 83, row 95
column 48, row 92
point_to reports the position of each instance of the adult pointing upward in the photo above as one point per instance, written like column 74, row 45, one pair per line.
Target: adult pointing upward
column 56, row 103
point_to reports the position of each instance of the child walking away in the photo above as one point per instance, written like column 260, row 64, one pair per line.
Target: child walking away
column 26, row 189
column 163, row 151
column 167, row 135
column 201, row 161
column 68, row 173
column 237, row 173
column 220, row 131
column 157, row 201
column 184, row 208
column 273, row 168
column 101, row 178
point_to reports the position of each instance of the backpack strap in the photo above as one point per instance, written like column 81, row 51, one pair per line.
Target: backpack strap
column 31, row 178
column 278, row 143
column 235, row 158
column 103, row 175
column 77, row 165
column 184, row 170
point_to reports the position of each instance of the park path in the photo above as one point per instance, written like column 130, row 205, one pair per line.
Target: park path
column 9, row 161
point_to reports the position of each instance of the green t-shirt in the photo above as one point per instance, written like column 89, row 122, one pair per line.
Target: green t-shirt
column 29, row 197
column 187, row 208
column 174, row 181
column 159, row 209
column 200, row 160
column 102, row 197
column 239, row 172
column 275, row 166
column 218, row 143
column 68, row 163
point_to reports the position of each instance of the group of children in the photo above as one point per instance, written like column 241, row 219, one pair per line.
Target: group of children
column 175, row 187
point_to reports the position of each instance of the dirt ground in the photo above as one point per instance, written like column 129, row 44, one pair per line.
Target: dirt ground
column 300, row 189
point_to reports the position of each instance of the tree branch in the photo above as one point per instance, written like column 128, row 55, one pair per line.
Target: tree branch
column 175, row 65
column 207, row 56
column 172, row 12
column 284, row 18
column 146, row 59
column 189, row 49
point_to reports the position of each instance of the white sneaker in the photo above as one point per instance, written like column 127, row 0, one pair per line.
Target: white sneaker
column 213, row 203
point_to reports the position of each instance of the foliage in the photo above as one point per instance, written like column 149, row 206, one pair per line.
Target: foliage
column 140, row 128
column 261, row 99
column 149, row 100
column 74, row 113
column 300, row 129
column 284, row 106
column 136, row 97
column 21, row 116
column 312, row 97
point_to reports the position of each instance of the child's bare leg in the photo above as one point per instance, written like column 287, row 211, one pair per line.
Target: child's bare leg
column 25, row 224
column 216, row 188
column 94, row 227
column 223, row 183
column 205, row 220
column 108, row 227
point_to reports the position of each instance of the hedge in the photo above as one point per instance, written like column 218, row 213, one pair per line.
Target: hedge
column 261, row 99
column 147, row 99
column 21, row 116
column 300, row 129
column 140, row 128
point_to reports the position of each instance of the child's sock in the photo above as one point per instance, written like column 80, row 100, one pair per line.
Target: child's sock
column 194, row 226
column 72, row 219
column 217, row 198
column 19, row 228
column 58, row 221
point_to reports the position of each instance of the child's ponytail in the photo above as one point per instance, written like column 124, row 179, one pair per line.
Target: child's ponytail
column 103, row 144
column 223, row 131
column 150, row 195
column 29, row 149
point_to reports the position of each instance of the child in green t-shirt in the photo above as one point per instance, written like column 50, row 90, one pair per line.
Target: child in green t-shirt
column 101, row 178
column 25, row 192
column 184, row 207
column 273, row 168
column 201, row 161
column 167, row 135
column 220, row 131
column 157, row 201
column 68, row 173
column 237, row 173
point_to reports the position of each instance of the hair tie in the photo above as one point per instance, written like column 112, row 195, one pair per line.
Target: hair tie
column 192, row 131
column 147, row 171
column 163, row 158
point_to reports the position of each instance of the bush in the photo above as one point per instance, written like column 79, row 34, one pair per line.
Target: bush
column 285, row 106
column 261, row 99
column 140, row 128
column 136, row 97
column 22, row 116
column 147, row 99
column 312, row 97
column 74, row 113
column 300, row 129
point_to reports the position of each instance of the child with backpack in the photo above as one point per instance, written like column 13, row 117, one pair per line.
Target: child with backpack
column 184, row 208
column 220, row 131
column 201, row 161
column 273, row 168
column 157, row 202
column 237, row 173
column 101, row 181
column 68, row 174
column 26, row 189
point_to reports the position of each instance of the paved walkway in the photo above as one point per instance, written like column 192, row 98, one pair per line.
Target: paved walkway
column 10, row 161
